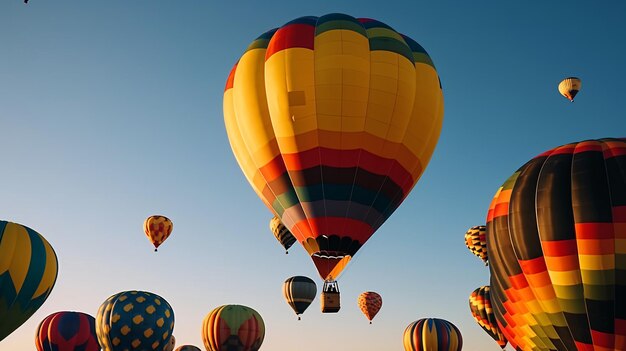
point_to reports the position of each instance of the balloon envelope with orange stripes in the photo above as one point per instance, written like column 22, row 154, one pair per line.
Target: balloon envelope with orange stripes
column 556, row 240
column 333, row 120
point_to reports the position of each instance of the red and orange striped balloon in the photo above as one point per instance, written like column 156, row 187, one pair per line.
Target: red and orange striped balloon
column 556, row 239
column 333, row 120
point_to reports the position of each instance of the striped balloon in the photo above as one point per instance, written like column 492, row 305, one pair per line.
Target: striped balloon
column 476, row 242
column 187, row 348
column 233, row 327
column 482, row 311
column 432, row 334
column 370, row 303
column 28, row 271
column 299, row 292
column 135, row 320
column 67, row 331
column 157, row 229
column 333, row 120
column 556, row 234
column 281, row 233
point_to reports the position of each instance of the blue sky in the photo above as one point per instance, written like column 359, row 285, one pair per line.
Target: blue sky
column 112, row 111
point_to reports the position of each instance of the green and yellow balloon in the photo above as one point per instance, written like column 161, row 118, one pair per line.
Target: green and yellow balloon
column 28, row 271
column 135, row 320
column 233, row 328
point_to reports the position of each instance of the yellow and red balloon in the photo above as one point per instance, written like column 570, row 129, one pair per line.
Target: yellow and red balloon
column 157, row 229
column 333, row 120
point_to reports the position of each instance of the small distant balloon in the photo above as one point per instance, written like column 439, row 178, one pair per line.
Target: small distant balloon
column 67, row 331
column 299, row 292
column 569, row 87
column 157, row 229
column 370, row 303
column 281, row 233
column 171, row 344
column 476, row 242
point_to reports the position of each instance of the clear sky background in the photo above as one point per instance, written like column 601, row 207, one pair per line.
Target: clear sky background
column 111, row 111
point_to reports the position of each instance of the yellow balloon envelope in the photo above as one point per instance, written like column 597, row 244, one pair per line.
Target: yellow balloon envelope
column 333, row 120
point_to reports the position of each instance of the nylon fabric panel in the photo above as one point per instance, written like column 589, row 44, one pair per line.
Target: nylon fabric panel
column 615, row 163
column 256, row 132
column 556, row 229
column 508, row 275
column 528, row 250
column 591, row 204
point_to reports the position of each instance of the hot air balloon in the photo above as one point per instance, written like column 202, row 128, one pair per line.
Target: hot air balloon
column 135, row 320
column 370, row 303
column 332, row 120
column 476, row 242
column 480, row 307
column 171, row 344
column 188, row 348
column 233, row 327
column 28, row 271
column 67, row 331
column 299, row 292
column 282, row 234
column 569, row 87
column 157, row 229
column 555, row 236
column 432, row 334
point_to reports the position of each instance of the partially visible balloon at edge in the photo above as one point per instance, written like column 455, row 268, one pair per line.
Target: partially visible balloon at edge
column 67, row 331
column 27, row 278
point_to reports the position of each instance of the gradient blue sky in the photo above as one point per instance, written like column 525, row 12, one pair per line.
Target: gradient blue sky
column 111, row 111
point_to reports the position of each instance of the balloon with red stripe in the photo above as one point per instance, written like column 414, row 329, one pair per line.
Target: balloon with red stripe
column 556, row 234
column 233, row 327
column 67, row 331
column 432, row 334
column 333, row 120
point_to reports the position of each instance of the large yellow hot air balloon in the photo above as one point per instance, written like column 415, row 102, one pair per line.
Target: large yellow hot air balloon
column 556, row 238
column 28, row 271
column 569, row 87
column 333, row 120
